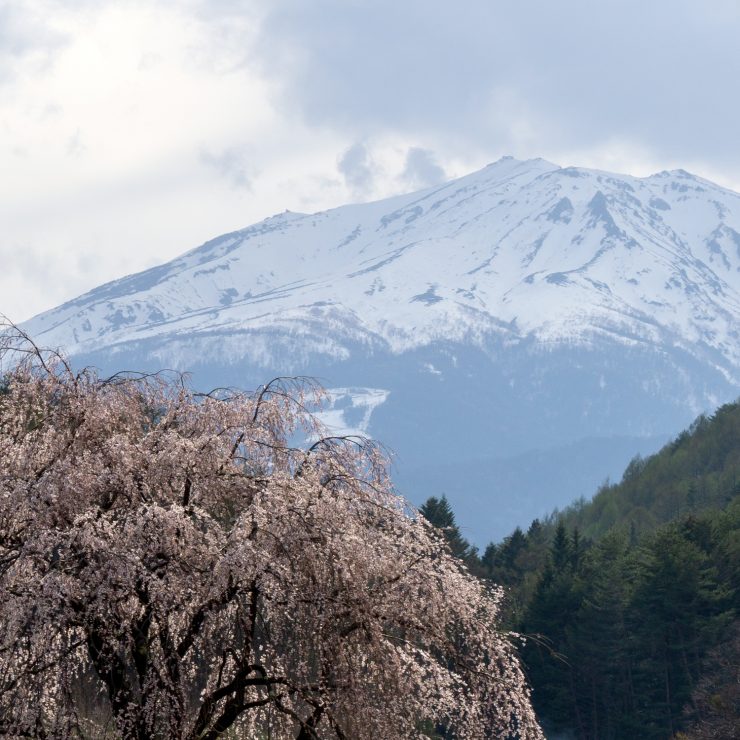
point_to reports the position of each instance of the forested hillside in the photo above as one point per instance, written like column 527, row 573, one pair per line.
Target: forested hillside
column 631, row 600
column 699, row 470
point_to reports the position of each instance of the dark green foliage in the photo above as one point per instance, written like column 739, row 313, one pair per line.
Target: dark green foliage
column 621, row 634
column 678, row 611
column 548, row 618
column 628, row 599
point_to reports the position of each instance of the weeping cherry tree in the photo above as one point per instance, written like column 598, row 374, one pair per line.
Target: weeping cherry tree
column 173, row 565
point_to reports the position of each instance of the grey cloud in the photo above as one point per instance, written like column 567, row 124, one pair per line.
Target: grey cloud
column 662, row 74
column 422, row 169
column 356, row 167
column 232, row 165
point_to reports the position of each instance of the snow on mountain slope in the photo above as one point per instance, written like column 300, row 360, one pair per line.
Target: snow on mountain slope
column 515, row 335
column 518, row 249
column 348, row 410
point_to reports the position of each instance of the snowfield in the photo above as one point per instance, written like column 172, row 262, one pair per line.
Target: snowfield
column 518, row 249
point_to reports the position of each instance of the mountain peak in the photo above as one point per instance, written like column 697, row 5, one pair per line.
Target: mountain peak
column 520, row 248
column 514, row 320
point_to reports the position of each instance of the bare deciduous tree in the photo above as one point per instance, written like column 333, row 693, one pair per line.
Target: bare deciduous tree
column 170, row 567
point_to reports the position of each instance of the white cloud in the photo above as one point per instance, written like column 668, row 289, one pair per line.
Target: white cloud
column 103, row 152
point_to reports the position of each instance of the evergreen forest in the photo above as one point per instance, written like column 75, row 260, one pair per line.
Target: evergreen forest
column 629, row 603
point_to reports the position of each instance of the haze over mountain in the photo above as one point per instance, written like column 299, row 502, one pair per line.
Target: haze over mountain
column 514, row 335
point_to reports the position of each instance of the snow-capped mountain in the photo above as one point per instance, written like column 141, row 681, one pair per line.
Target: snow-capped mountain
column 519, row 249
column 525, row 306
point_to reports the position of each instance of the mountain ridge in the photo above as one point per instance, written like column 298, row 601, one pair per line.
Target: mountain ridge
column 520, row 308
column 473, row 297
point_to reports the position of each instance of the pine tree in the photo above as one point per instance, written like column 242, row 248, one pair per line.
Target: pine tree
column 561, row 550
column 676, row 613
column 550, row 657
column 599, row 641
column 438, row 512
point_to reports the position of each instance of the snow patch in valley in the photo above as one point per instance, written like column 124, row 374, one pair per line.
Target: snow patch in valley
column 348, row 410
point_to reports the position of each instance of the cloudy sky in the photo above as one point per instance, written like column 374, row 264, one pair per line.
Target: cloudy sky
column 131, row 131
